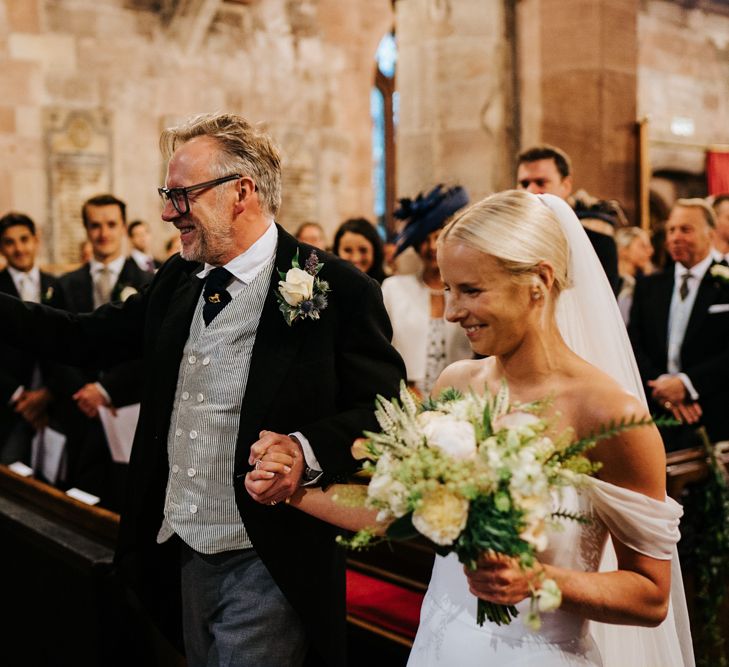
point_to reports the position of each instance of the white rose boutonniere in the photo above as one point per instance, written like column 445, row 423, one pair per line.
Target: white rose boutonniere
column 47, row 295
column 720, row 271
column 301, row 293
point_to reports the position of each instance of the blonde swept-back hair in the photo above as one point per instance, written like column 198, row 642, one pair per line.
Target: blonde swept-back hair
column 518, row 230
column 244, row 149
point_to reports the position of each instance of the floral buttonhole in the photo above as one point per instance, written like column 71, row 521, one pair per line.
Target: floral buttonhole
column 721, row 272
column 301, row 293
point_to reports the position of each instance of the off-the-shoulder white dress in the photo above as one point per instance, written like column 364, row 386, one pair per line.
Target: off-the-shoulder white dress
column 449, row 636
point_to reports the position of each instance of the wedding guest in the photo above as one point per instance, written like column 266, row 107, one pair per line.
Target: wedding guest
column 634, row 260
column 107, row 277
column 357, row 241
column 24, row 398
column 548, row 169
column 679, row 327
column 252, row 581
column 140, row 239
column 721, row 233
column 415, row 302
column 313, row 234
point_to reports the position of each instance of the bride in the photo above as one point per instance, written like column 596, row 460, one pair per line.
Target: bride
column 523, row 281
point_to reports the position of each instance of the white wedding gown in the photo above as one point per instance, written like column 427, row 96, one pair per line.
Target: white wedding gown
column 591, row 324
column 449, row 636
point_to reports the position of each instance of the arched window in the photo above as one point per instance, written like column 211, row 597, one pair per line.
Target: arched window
column 384, row 110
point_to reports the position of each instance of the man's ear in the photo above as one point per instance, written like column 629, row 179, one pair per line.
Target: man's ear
column 245, row 190
column 567, row 186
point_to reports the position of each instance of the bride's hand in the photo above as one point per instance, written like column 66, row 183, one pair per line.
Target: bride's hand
column 501, row 579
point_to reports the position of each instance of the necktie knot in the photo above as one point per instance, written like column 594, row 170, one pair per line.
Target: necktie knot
column 215, row 295
column 683, row 288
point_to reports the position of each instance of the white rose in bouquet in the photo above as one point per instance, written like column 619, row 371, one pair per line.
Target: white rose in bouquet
column 441, row 516
column 298, row 286
column 515, row 419
column 454, row 437
column 384, row 489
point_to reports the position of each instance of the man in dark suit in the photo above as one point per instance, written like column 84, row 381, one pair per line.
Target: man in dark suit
column 139, row 237
column 228, row 354
column 547, row 169
column 23, row 397
column 108, row 276
column 679, row 327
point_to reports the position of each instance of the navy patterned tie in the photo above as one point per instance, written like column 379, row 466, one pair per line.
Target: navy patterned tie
column 215, row 295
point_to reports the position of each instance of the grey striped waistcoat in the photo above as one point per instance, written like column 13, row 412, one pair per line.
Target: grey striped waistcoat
column 199, row 502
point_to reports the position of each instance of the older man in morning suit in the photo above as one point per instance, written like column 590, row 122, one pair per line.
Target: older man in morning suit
column 24, row 398
column 228, row 364
column 679, row 327
column 108, row 276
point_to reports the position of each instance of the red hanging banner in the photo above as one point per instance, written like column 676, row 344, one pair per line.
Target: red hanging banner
column 717, row 170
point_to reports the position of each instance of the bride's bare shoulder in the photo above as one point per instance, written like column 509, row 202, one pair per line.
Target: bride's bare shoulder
column 635, row 457
column 466, row 374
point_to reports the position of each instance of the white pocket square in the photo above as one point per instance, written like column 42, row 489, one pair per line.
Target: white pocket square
column 719, row 308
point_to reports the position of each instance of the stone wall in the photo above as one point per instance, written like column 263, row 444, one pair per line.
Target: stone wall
column 455, row 84
column 683, row 78
column 304, row 67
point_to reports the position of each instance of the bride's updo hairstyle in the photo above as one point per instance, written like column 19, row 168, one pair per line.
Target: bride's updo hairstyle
column 518, row 230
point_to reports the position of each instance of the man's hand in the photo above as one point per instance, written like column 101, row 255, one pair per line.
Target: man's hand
column 31, row 406
column 688, row 413
column 668, row 388
column 89, row 399
column 279, row 467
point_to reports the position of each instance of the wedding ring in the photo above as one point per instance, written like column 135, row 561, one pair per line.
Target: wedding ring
column 273, row 502
column 257, row 463
column 667, row 405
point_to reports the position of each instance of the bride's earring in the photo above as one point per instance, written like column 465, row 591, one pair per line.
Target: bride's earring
column 536, row 295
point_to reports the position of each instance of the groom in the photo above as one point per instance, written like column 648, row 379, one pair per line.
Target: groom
column 260, row 583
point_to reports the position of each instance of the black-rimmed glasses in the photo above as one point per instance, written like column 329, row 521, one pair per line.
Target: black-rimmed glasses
column 178, row 196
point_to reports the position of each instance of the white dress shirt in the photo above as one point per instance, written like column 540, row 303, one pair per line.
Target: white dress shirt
column 679, row 315
column 143, row 260
column 28, row 283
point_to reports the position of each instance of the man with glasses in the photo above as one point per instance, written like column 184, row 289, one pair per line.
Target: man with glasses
column 226, row 367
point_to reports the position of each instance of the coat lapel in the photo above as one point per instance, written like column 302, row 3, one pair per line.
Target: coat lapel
column 84, row 290
column 276, row 346
column 662, row 309
column 7, row 285
column 171, row 338
column 704, row 298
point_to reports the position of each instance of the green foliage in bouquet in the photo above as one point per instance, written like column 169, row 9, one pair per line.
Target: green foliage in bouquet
column 474, row 474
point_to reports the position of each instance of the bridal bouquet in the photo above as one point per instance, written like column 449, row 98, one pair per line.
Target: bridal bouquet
column 474, row 473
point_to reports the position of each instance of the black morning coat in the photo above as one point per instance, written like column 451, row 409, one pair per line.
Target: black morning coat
column 705, row 348
column 318, row 377
column 16, row 367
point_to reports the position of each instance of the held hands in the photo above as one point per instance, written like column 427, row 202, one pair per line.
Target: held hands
column 278, row 462
column 669, row 391
column 31, row 405
column 89, row 399
column 501, row 579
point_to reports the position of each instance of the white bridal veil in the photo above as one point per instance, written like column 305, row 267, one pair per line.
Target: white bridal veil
column 591, row 324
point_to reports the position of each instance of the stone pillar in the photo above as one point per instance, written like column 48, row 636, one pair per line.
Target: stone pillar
column 578, row 71
column 454, row 77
